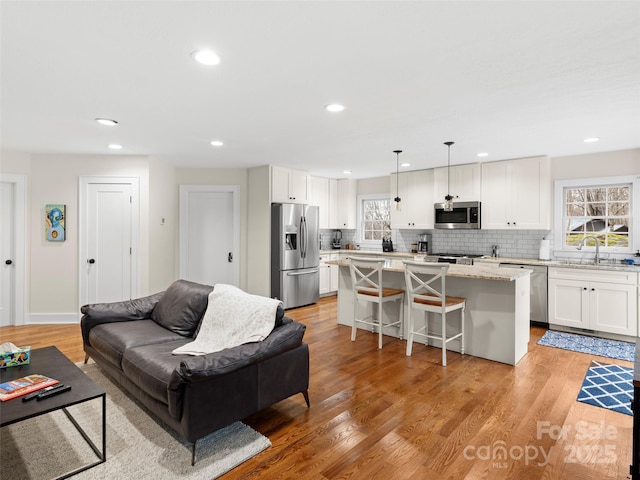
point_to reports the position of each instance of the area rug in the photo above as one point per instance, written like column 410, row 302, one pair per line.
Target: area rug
column 608, row 386
column 138, row 446
column 591, row 345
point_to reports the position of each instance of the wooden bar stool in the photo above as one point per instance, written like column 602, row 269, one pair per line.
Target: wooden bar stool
column 366, row 279
column 425, row 294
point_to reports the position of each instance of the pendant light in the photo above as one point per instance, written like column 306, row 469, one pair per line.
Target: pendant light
column 448, row 199
column 397, row 199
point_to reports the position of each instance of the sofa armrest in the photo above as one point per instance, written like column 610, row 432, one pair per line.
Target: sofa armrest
column 98, row 313
column 198, row 368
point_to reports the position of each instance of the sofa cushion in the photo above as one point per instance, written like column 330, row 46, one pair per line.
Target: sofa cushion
column 181, row 307
column 112, row 339
column 150, row 367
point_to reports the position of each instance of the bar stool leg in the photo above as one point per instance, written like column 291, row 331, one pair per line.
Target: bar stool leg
column 444, row 339
column 401, row 327
column 462, row 330
column 410, row 330
column 379, row 325
column 355, row 315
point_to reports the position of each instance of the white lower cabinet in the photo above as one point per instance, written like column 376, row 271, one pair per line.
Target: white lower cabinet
column 328, row 274
column 599, row 300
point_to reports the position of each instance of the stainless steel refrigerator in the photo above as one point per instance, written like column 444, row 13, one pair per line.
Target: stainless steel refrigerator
column 295, row 254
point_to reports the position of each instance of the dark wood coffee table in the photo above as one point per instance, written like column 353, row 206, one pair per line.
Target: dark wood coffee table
column 50, row 362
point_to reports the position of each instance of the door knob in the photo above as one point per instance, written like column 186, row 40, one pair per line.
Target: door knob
column 91, row 261
column 8, row 262
column 230, row 257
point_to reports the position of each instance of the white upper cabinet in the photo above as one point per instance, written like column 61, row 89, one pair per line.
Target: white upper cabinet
column 347, row 202
column 320, row 198
column 415, row 190
column 515, row 194
column 289, row 186
column 465, row 183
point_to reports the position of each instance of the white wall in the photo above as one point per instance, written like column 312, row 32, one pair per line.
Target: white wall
column 603, row 164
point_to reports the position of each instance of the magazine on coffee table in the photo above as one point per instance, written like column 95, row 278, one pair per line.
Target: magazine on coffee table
column 22, row 386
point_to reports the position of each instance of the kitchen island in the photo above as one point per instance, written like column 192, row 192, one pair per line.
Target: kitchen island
column 496, row 314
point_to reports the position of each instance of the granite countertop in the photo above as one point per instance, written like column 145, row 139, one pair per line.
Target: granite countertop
column 463, row 271
column 518, row 261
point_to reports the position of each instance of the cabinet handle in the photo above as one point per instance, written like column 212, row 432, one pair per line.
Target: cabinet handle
column 584, row 288
column 593, row 289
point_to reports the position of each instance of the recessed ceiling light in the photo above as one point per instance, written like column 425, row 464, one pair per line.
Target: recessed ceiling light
column 591, row 140
column 482, row 154
column 347, row 172
column 405, row 164
column 206, row 57
column 106, row 121
column 334, row 107
column 217, row 143
column 115, row 146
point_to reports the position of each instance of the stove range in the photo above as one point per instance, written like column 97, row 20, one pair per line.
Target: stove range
column 457, row 258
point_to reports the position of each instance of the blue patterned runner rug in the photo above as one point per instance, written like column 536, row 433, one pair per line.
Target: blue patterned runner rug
column 591, row 345
column 608, row 386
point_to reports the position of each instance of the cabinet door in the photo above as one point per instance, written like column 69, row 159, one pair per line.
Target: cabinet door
column 400, row 218
column 420, row 188
column 280, row 185
column 613, row 307
column 495, row 195
column 320, row 198
column 298, row 186
column 530, row 191
column 465, row 183
column 568, row 303
column 347, row 201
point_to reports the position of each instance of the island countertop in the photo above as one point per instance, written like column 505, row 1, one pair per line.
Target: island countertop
column 480, row 271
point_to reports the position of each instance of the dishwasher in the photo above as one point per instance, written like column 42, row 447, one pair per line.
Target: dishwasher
column 538, row 314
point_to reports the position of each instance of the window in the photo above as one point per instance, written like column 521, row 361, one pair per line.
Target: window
column 600, row 208
column 602, row 212
column 375, row 218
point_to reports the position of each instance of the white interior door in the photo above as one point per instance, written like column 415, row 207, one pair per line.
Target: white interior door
column 7, row 253
column 209, row 234
column 108, row 240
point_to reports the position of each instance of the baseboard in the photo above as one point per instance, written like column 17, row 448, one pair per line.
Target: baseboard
column 52, row 318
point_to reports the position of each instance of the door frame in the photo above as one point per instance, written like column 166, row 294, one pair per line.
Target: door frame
column 20, row 240
column 83, row 240
column 185, row 190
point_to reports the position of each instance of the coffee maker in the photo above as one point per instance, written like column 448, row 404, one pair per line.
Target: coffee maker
column 424, row 243
column 336, row 243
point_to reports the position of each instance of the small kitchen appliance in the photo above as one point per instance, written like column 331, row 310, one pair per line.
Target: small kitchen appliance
column 336, row 243
column 458, row 258
column 424, row 243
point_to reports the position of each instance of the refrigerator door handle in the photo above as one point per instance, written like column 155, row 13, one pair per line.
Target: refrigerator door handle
column 306, row 272
column 303, row 240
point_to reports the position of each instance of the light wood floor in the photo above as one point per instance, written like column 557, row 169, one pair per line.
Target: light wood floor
column 377, row 414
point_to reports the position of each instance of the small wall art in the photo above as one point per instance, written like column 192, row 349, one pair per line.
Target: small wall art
column 55, row 214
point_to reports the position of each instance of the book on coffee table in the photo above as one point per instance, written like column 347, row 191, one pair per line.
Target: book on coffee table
column 22, row 386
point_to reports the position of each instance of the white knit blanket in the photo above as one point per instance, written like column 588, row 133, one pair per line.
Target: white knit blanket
column 233, row 317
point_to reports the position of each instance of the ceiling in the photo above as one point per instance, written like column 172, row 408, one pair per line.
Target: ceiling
column 513, row 79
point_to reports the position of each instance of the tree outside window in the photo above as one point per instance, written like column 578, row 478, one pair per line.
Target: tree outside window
column 599, row 211
column 376, row 219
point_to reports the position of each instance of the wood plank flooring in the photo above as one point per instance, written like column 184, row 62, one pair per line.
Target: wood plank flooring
column 377, row 414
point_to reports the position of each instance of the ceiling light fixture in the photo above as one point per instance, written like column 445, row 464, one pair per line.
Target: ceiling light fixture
column 205, row 57
column 115, row 146
column 448, row 199
column 347, row 172
column 334, row 107
column 591, row 140
column 405, row 164
column 217, row 143
column 107, row 121
column 397, row 199
column 482, row 154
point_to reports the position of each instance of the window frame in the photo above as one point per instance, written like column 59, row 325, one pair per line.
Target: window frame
column 360, row 219
column 560, row 209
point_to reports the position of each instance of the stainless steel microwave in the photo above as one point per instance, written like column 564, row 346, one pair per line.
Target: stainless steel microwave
column 465, row 215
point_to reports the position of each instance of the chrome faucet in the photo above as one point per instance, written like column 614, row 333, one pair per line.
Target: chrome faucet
column 597, row 259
